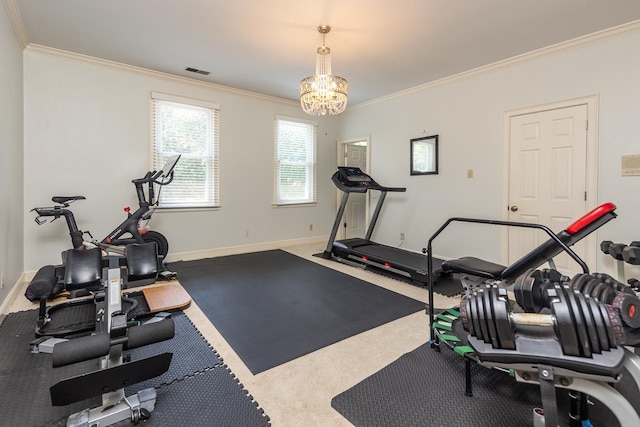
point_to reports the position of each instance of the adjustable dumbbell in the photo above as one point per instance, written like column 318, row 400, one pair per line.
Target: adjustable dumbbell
column 530, row 288
column 581, row 324
column 530, row 292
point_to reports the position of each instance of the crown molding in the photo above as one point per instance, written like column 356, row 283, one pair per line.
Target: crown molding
column 152, row 73
column 16, row 21
column 578, row 42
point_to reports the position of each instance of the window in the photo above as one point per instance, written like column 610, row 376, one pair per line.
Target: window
column 295, row 161
column 191, row 128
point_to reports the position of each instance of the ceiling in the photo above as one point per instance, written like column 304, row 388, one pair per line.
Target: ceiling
column 267, row 46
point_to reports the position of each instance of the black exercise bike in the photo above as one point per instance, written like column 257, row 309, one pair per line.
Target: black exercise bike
column 132, row 229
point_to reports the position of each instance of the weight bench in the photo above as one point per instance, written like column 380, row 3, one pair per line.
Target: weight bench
column 83, row 271
column 557, row 243
column 111, row 335
column 579, row 229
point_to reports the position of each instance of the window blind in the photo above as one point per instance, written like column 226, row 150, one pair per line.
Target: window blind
column 190, row 128
column 295, row 161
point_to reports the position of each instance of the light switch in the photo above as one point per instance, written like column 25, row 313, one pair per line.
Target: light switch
column 469, row 173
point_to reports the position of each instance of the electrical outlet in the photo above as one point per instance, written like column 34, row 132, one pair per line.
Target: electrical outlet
column 1, row 280
column 469, row 173
column 246, row 233
column 310, row 227
column 401, row 236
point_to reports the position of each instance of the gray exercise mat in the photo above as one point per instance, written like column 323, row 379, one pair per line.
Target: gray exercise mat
column 427, row 388
column 25, row 379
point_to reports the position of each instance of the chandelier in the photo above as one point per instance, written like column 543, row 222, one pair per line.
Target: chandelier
column 323, row 93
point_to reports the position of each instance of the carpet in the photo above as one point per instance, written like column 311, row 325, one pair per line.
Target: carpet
column 427, row 388
column 273, row 306
column 198, row 388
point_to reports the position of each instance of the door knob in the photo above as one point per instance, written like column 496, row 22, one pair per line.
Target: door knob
column 514, row 208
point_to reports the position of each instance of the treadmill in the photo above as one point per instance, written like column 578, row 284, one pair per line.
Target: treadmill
column 364, row 251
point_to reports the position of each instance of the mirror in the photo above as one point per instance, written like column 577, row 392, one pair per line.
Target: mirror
column 424, row 155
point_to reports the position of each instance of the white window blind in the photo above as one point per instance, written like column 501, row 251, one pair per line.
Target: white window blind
column 190, row 128
column 295, row 161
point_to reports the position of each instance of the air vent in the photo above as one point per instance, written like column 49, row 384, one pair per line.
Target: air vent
column 195, row 70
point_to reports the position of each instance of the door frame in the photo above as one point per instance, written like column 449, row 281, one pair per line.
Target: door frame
column 592, row 102
column 341, row 147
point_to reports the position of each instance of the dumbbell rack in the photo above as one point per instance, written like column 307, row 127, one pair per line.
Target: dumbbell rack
column 623, row 253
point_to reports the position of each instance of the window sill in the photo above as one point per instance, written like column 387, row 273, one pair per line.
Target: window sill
column 170, row 209
column 294, row 205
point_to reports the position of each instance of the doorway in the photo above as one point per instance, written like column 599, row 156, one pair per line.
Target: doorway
column 355, row 153
column 550, row 175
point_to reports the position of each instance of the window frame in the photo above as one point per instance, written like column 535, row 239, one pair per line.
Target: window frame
column 311, row 165
column 212, row 155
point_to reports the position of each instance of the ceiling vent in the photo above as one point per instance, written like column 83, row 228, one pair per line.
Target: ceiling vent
column 195, row 70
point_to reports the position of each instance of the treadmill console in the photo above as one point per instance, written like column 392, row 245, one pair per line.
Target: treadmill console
column 352, row 176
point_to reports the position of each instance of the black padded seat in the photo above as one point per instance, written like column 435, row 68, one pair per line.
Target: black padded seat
column 83, row 268
column 475, row 266
column 142, row 261
column 580, row 228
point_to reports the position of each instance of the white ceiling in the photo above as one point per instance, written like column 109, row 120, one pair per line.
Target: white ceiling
column 267, row 46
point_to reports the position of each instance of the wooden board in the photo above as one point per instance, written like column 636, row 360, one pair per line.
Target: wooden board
column 166, row 297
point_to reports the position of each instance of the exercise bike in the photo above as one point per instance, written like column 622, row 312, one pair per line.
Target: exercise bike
column 134, row 229
column 116, row 240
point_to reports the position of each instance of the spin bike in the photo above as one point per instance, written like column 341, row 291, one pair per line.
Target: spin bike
column 131, row 230
column 116, row 240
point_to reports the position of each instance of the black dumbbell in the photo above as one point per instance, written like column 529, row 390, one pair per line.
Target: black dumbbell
column 581, row 324
column 604, row 246
column 631, row 254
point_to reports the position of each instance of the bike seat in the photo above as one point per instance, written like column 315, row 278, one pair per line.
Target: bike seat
column 65, row 199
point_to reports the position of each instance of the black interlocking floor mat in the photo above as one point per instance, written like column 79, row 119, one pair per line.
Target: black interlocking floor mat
column 273, row 307
column 25, row 379
column 426, row 388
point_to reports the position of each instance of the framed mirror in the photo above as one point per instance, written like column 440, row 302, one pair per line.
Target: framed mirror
column 424, row 155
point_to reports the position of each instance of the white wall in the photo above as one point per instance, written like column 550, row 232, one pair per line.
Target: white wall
column 468, row 115
column 87, row 133
column 11, row 169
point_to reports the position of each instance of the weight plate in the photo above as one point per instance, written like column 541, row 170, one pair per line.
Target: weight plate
column 579, row 281
column 465, row 316
column 616, row 323
column 629, row 307
column 490, row 316
column 506, row 332
column 473, row 310
column 608, row 325
column 600, row 324
column 580, row 324
column 522, row 290
column 596, row 292
column 565, row 324
column 590, row 323
column 587, row 289
column 482, row 316
column 607, row 294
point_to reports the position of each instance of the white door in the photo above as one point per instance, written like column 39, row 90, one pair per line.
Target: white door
column 355, row 212
column 547, row 178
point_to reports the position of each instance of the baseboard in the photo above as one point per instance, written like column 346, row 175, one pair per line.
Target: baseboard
column 234, row 250
column 13, row 294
